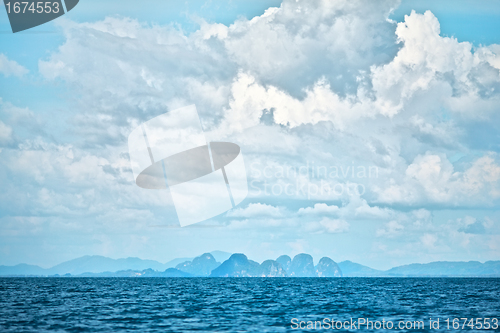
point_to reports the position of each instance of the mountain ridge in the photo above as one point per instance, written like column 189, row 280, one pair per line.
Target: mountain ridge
column 282, row 266
column 90, row 264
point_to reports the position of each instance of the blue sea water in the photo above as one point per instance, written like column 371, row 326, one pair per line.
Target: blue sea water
column 242, row 304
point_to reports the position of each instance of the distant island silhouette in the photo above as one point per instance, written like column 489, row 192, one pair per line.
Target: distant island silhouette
column 223, row 264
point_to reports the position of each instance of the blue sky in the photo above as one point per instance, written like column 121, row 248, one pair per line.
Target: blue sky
column 410, row 89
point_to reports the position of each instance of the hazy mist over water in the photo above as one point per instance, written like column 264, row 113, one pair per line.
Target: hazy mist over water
column 237, row 304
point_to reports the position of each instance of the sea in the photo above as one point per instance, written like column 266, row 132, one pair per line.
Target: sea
column 249, row 304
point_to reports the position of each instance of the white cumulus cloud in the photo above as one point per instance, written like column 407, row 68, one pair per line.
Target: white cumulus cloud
column 10, row 67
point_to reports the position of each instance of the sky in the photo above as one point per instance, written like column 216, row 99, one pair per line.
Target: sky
column 369, row 129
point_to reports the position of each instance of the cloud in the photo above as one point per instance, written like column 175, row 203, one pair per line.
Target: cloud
column 329, row 226
column 474, row 226
column 257, row 210
column 124, row 70
column 5, row 133
column 432, row 178
column 10, row 67
column 392, row 229
column 307, row 220
column 429, row 241
column 224, row 73
column 301, row 42
column 427, row 60
column 319, row 208
column 134, row 59
column 310, row 84
column 19, row 124
column 477, row 227
column 329, row 72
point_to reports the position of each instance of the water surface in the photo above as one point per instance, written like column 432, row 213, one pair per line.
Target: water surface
column 238, row 304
